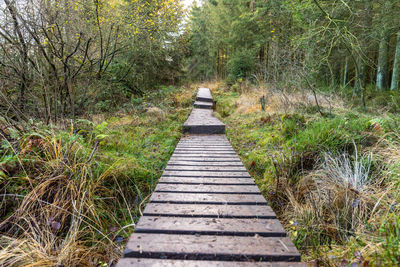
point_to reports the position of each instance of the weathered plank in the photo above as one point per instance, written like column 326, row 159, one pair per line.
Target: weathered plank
column 204, row 247
column 221, row 189
column 204, row 137
column 210, row 226
column 205, row 153
column 207, row 198
column 202, row 104
column 206, row 168
column 217, row 143
column 206, row 181
column 200, row 163
column 204, row 94
column 205, row 174
column 205, row 147
column 205, row 158
column 142, row 262
column 201, row 121
column 209, row 211
column 208, row 150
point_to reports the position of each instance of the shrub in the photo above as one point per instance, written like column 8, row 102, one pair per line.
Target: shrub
column 241, row 64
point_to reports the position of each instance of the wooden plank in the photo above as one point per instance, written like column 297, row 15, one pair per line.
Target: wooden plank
column 202, row 121
column 204, row 152
column 205, row 174
column 221, row 189
column 204, row 94
column 202, row 149
column 202, row 137
column 209, row 211
column 203, row 247
column 197, row 163
column 200, row 155
column 206, row 168
column 218, row 144
column 205, row 159
column 204, row 145
column 208, row 198
column 202, row 104
column 207, row 181
column 210, row 226
column 143, row 262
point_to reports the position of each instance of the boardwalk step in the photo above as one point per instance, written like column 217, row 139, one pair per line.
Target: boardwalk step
column 210, row 226
column 206, row 181
column 201, row 121
column 130, row 262
column 204, row 94
column 211, row 247
column 209, row 211
column 207, row 198
column 202, row 104
column 221, row 189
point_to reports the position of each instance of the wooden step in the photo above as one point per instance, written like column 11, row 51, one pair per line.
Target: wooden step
column 204, row 94
column 209, row 210
column 202, row 121
column 210, row 226
column 143, row 262
column 202, row 104
column 211, row 247
column 207, row 198
column 220, row 189
column 206, row 181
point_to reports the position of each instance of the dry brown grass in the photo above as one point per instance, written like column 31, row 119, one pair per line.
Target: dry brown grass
column 54, row 224
column 277, row 100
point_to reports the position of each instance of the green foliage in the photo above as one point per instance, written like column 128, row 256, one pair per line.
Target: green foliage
column 241, row 64
column 390, row 231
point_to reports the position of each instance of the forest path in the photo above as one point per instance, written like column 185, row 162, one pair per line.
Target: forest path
column 206, row 209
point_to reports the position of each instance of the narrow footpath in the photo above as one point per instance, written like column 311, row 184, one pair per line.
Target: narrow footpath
column 206, row 209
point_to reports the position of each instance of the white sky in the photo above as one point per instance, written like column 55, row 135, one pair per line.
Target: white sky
column 187, row 3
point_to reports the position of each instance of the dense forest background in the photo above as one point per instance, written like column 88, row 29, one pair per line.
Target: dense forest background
column 298, row 44
column 94, row 93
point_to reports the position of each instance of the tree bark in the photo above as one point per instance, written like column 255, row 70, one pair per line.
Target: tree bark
column 396, row 66
column 381, row 76
column 346, row 71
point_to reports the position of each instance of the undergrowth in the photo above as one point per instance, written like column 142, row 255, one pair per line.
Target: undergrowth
column 71, row 194
column 332, row 179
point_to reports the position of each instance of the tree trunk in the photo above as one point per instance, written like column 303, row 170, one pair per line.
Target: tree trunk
column 381, row 76
column 396, row 66
column 346, row 71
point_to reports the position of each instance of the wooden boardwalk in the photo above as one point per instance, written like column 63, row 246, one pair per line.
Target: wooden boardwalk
column 206, row 209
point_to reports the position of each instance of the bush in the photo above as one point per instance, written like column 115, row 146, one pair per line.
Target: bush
column 241, row 64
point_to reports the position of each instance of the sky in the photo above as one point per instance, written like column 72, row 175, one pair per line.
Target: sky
column 187, row 3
